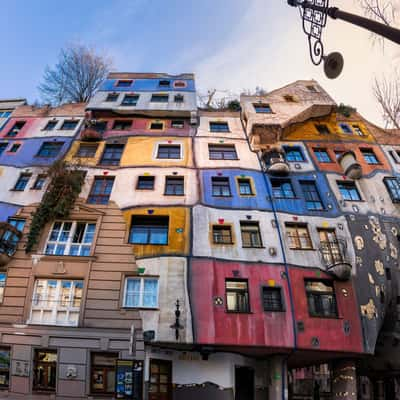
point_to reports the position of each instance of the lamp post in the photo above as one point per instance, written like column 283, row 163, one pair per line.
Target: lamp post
column 314, row 14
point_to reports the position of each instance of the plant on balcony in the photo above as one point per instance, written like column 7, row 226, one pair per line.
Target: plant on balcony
column 65, row 185
column 91, row 135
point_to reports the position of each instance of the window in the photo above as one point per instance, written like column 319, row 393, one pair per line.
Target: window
column 69, row 125
column 70, row 238
column 17, row 223
column 123, row 125
column 111, row 97
column 100, row 126
column 293, row 154
column 102, row 373
column 14, row 148
column 222, row 234
column 299, row 237
column 15, row 129
column 349, row 191
column 22, row 182
column 159, row 98
column 311, row 88
column 9, row 239
column 237, row 296
column 50, row 149
column 149, row 230
column 124, row 83
column 130, row 100
column 219, row 127
column 392, row 153
column 3, row 277
column 50, row 126
column 5, row 114
column 245, row 188
column 251, row 236
column 322, row 129
column 101, row 190
column 358, row 130
column 157, row 126
column 330, row 247
column 272, row 299
column 169, row 151
column 164, row 83
column 3, row 146
column 45, row 370
column 180, row 84
column 262, row 108
column 321, row 299
column 56, row 302
column 311, row 196
column 346, row 129
column 369, row 156
column 177, row 124
column 222, row 152
column 39, row 183
column 393, row 187
column 174, row 186
column 178, row 98
column 141, row 292
column 282, row 188
column 112, row 154
column 220, row 187
column 145, row 183
column 289, row 98
column 4, row 368
column 86, row 150
column 322, row 155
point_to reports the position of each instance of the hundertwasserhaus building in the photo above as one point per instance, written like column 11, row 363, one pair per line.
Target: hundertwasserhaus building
column 153, row 250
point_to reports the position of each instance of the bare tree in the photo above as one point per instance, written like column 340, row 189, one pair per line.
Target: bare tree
column 77, row 74
column 384, row 11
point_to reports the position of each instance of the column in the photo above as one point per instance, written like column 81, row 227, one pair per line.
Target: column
column 344, row 380
column 278, row 383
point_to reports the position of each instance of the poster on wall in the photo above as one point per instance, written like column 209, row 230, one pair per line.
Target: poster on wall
column 129, row 379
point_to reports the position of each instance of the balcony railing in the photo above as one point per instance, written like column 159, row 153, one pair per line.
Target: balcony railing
column 334, row 256
column 9, row 238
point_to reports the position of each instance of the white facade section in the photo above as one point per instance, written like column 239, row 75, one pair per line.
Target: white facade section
column 236, row 130
column 39, row 128
column 392, row 153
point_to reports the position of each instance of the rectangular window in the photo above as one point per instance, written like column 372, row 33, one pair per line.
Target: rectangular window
column 159, row 98
column 219, row 127
column 50, row 126
column 15, row 129
column 272, row 299
column 349, row 191
column 39, row 182
column 3, row 146
column 157, row 126
column 298, row 236
column 289, row 98
column 124, row 83
column 145, row 183
column 17, row 223
column 101, row 190
column 293, row 154
column 222, row 152
column 130, row 100
column 311, row 196
column 358, row 130
column 86, row 150
column 70, row 238
column 164, row 83
column 178, row 98
column 251, row 236
column 111, row 97
column 102, row 373
column 141, row 293
column 222, row 234
column 312, row 88
column 22, row 182
column 321, row 299
column 177, row 124
column 122, row 125
column 149, row 230
column 174, row 186
column 393, row 187
column 14, row 148
column 56, row 302
column 50, row 149
column 220, row 187
column 346, row 129
column 169, row 151
column 245, row 188
column 330, row 247
column 391, row 152
column 3, row 277
column 237, row 296
column 322, row 129
column 9, row 238
column 322, row 155
column 369, row 156
column 69, row 125
column 4, row 367
column 45, row 370
column 282, row 189
column 262, row 108
column 112, row 154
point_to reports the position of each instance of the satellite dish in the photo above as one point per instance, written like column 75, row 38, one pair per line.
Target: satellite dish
column 333, row 65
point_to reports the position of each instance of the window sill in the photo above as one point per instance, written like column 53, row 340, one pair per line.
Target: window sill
column 126, row 308
column 48, row 257
column 175, row 195
column 253, row 247
column 325, row 317
column 148, row 244
column 299, row 249
column 17, row 190
column 223, row 244
column 52, row 325
column 239, row 312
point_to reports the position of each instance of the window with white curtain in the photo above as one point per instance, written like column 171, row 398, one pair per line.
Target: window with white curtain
column 141, row 292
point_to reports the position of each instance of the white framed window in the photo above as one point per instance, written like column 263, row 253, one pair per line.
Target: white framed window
column 141, row 292
column 56, row 302
column 70, row 238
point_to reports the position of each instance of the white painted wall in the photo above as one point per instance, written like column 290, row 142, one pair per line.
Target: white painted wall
column 235, row 126
column 394, row 164
column 39, row 130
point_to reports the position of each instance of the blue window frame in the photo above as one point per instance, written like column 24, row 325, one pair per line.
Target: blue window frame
column 282, row 189
column 349, row 191
column 262, row 108
column 3, row 146
column 346, row 129
column 22, row 182
column 149, row 230
column 311, row 196
column 322, row 155
column 393, row 186
column 369, row 156
column 294, row 154
column 219, row 127
column 101, row 190
column 220, row 187
column 50, row 149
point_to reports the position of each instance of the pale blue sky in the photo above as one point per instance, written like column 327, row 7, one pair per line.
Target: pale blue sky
column 229, row 44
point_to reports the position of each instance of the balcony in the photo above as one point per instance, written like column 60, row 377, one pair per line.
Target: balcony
column 335, row 258
column 91, row 135
column 351, row 167
column 9, row 238
column 275, row 162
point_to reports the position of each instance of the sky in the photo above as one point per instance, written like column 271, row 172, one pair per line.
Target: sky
column 229, row 44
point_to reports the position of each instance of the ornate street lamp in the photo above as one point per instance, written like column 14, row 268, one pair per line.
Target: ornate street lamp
column 314, row 14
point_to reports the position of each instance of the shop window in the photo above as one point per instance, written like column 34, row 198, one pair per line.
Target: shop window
column 251, row 235
column 220, row 187
column 149, row 230
column 321, row 299
column 141, row 293
column 222, row 234
column 4, row 367
column 15, row 129
column 222, row 152
column 298, row 236
column 50, row 126
column 112, row 154
column 50, row 149
column 122, row 125
column 86, row 150
column 101, row 190
column 393, row 187
column 102, row 373
column 322, row 155
column 311, row 196
column 130, row 100
column 262, row 108
column 272, row 299
column 237, row 295
column 145, row 183
column 22, row 181
column 349, row 191
column 245, row 188
column 39, row 182
column 45, row 370
column 174, row 186
column 282, row 189
column 219, row 127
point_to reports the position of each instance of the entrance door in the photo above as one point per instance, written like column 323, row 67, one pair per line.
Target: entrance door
column 160, row 386
column 244, row 383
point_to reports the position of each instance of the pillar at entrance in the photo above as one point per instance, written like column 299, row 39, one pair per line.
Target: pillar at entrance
column 278, row 383
column 344, row 380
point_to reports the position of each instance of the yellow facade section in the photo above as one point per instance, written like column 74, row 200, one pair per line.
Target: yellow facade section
column 308, row 130
column 178, row 231
column 89, row 161
column 141, row 150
